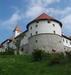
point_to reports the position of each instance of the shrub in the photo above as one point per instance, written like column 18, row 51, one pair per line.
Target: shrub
column 68, row 55
column 38, row 54
column 54, row 58
column 57, row 58
column 9, row 51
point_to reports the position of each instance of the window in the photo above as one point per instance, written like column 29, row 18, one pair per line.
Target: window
column 66, row 41
column 36, row 41
column 30, row 27
column 49, row 21
column 22, row 49
column 53, row 25
column 60, row 41
column 63, row 40
column 31, row 34
column 36, row 26
column 70, row 43
column 37, row 21
column 54, row 32
column 36, row 32
column 64, row 48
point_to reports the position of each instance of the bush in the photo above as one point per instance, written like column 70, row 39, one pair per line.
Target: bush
column 54, row 58
column 57, row 58
column 38, row 54
column 9, row 51
column 68, row 55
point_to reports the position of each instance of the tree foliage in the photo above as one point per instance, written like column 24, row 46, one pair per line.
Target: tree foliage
column 17, row 42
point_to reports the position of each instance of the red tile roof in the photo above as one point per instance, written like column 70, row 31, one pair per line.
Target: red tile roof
column 11, row 38
column 0, row 45
column 69, row 37
column 17, row 28
column 43, row 16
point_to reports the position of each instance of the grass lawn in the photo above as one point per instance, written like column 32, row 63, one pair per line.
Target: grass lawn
column 22, row 65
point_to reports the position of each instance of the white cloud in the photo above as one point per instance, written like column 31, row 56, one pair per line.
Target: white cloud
column 62, row 12
column 67, row 22
column 36, row 7
column 13, row 20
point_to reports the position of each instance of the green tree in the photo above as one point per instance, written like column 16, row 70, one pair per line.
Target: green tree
column 18, row 41
column 9, row 51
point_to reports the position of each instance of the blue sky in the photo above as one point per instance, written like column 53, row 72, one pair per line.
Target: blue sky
column 21, row 12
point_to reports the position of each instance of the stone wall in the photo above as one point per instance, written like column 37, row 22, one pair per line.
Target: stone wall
column 46, row 42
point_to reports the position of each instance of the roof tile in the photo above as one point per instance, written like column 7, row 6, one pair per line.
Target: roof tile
column 17, row 28
column 43, row 16
column 11, row 38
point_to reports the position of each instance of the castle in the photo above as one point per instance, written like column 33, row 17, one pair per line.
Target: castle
column 44, row 32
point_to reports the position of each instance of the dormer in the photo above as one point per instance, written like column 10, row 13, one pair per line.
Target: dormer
column 16, row 31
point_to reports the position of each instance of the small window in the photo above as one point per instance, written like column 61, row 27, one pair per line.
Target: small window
column 22, row 49
column 66, row 41
column 70, row 43
column 54, row 32
column 37, row 21
column 36, row 41
column 31, row 34
column 53, row 25
column 36, row 32
column 64, row 48
column 36, row 26
column 30, row 27
column 63, row 40
column 49, row 21
column 60, row 41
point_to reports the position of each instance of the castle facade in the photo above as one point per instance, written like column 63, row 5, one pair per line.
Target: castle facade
column 44, row 32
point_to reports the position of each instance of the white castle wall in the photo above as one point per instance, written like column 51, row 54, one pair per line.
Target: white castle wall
column 16, row 33
column 5, row 44
column 44, row 27
column 24, row 41
column 66, row 43
column 44, row 34
column 12, row 45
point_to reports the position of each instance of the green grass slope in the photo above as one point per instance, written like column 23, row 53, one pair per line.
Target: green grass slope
column 22, row 65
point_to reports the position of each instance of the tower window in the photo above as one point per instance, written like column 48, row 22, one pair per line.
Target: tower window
column 66, row 41
column 63, row 40
column 36, row 41
column 70, row 43
column 49, row 21
column 30, row 27
column 36, row 32
column 53, row 25
column 31, row 34
column 36, row 26
column 54, row 32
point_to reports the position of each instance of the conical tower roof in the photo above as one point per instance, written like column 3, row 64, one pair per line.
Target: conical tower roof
column 17, row 28
column 44, row 16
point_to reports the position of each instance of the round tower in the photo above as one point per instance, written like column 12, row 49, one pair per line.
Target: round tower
column 16, row 31
column 45, row 33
